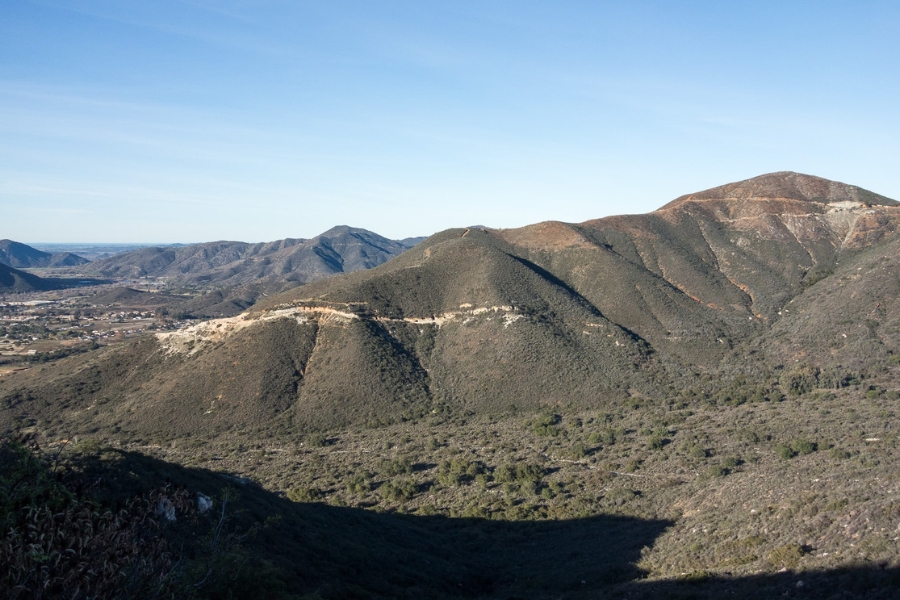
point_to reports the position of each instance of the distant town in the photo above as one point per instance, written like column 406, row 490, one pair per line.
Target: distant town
column 50, row 325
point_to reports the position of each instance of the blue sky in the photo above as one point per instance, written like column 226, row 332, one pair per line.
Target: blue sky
column 164, row 121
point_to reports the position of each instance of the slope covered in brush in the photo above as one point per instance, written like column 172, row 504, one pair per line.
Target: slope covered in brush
column 690, row 279
column 735, row 282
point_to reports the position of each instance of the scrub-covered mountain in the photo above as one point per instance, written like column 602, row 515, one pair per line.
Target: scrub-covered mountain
column 225, row 264
column 691, row 280
column 699, row 402
column 736, row 281
column 22, row 256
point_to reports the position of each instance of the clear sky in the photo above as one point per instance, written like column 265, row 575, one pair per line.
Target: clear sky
column 165, row 121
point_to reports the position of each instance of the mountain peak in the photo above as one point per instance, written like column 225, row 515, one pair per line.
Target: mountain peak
column 339, row 229
column 787, row 185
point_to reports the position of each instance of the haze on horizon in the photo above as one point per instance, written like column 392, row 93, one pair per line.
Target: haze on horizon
column 254, row 121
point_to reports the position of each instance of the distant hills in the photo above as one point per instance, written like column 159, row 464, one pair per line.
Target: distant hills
column 16, row 281
column 233, row 274
column 22, row 256
column 94, row 251
column 339, row 250
column 782, row 269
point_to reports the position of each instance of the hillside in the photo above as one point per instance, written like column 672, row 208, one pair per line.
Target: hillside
column 15, row 281
column 549, row 315
column 22, row 256
column 552, row 314
column 697, row 402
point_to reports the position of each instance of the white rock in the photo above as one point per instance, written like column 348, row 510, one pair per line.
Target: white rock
column 165, row 509
column 204, row 503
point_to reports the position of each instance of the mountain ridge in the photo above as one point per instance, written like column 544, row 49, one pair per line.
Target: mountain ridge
column 788, row 185
column 489, row 321
column 724, row 374
column 228, row 263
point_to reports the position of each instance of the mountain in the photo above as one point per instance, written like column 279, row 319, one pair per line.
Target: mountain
column 234, row 275
column 698, row 402
column 226, row 264
column 619, row 309
column 15, row 281
column 689, row 279
column 21, row 256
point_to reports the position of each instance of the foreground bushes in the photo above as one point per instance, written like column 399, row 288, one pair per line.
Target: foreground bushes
column 57, row 540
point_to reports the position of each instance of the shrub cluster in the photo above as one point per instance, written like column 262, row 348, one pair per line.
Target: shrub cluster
column 546, row 425
column 58, row 541
column 796, row 447
column 459, row 470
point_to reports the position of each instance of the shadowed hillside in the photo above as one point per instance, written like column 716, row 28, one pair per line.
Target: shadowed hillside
column 335, row 552
column 14, row 281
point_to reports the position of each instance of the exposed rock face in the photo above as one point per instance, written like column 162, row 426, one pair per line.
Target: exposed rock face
column 779, row 206
column 165, row 509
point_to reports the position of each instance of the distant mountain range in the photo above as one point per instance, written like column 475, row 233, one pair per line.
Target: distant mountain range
column 94, row 251
column 241, row 271
column 22, row 256
column 776, row 272
column 339, row 250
